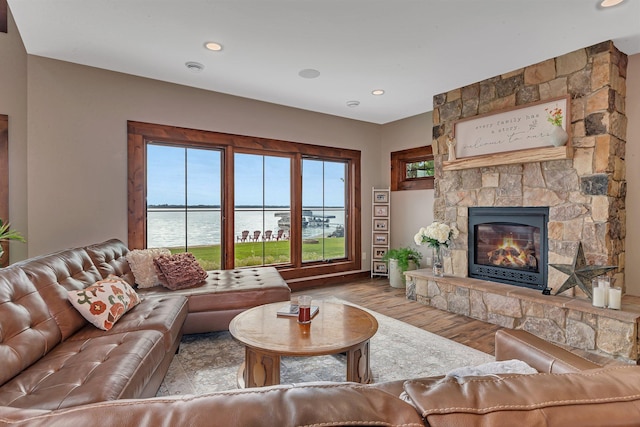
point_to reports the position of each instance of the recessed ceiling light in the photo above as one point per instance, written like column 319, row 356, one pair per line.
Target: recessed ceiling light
column 377, row 92
column 309, row 73
column 610, row 3
column 214, row 46
column 196, row 67
column 353, row 104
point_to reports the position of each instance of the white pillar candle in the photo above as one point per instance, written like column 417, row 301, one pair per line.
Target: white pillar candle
column 604, row 283
column 615, row 298
column 598, row 296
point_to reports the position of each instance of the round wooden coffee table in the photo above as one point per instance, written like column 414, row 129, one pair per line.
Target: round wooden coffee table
column 337, row 328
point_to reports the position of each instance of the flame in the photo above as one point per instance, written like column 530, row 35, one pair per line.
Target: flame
column 508, row 243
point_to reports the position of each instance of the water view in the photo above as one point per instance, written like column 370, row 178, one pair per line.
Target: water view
column 166, row 227
column 179, row 176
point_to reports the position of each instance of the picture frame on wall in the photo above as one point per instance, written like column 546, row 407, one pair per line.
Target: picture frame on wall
column 380, row 267
column 512, row 129
column 380, row 225
column 381, row 196
column 381, row 210
column 380, row 239
column 379, row 253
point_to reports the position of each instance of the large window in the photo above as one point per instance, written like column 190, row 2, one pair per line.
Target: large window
column 323, row 209
column 237, row 201
column 262, row 209
column 183, row 201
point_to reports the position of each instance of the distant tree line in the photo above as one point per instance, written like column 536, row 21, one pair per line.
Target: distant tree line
column 170, row 206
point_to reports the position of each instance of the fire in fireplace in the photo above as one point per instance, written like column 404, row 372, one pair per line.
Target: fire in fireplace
column 509, row 245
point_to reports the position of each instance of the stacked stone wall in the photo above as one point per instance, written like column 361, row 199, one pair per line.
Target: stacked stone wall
column 585, row 193
column 568, row 321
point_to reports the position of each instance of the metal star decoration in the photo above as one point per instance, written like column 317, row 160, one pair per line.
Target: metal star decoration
column 580, row 274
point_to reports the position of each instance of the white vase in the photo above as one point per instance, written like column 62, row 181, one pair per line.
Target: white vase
column 438, row 265
column 558, row 136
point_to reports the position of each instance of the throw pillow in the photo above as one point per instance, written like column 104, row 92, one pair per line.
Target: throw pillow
column 494, row 369
column 179, row 271
column 142, row 266
column 513, row 366
column 104, row 302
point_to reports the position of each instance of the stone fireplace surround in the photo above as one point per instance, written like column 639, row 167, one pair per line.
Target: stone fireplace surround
column 583, row 185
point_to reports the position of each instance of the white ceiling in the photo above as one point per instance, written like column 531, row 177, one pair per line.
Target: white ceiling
column 413, row 49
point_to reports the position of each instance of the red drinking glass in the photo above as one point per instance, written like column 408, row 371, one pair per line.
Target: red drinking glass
column 304, row 309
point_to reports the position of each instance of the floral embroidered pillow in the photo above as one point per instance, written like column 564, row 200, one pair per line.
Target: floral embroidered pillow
column 104, row 302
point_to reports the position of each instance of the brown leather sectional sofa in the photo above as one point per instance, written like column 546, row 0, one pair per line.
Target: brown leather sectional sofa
column 51, row 357
column 56, row 370
column 569, row 391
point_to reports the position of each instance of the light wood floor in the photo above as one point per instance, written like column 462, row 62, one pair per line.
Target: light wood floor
column 377, row 295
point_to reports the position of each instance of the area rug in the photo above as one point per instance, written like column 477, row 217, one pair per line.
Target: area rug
column 209, row 362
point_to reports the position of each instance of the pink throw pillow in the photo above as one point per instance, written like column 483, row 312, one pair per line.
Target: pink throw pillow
column 179, row 271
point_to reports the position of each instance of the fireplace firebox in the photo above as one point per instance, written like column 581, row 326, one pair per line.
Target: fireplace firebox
column 509, row 245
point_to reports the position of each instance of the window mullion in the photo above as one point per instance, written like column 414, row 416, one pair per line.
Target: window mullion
column 228, row 202
column 296, row 212
column 324, row 181
column 186, row 201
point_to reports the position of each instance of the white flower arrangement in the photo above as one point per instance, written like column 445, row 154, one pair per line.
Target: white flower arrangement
column 436, row 235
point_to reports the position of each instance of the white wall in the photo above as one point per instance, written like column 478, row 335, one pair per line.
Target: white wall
column 410, row 209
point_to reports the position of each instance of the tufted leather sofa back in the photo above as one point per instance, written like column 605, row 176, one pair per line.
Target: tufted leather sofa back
column 109, row 258
column 27, row 329
column 55, row 274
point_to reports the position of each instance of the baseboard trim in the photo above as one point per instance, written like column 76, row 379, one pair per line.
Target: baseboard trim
column 326, row 279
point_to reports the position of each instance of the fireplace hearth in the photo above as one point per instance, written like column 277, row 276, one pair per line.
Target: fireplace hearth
column 509, row 245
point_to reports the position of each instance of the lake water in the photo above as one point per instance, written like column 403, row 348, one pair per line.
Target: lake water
column 165, row 227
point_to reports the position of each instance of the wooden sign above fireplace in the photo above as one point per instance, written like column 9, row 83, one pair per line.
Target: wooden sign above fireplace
column 516, row 135
column 518, row 128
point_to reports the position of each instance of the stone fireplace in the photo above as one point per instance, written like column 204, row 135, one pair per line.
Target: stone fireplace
column 581, row 185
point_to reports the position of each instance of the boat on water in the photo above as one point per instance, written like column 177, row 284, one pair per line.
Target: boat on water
column 308, row 219
column 318, row 220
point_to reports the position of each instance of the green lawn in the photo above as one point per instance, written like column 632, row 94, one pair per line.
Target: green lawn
column 263, row 253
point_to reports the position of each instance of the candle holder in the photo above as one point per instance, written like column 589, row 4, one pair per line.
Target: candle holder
column 615, row 298
column 605, row 283
column 604, row 294
column 598, row 294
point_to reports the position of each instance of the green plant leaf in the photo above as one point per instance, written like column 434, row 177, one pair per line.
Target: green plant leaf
column 7, row 234
column 403, row 256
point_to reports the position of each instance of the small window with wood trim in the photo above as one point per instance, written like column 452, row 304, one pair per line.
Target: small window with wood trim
column 412, row 169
